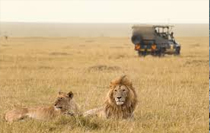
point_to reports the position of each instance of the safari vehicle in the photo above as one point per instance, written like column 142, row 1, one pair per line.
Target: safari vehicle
column 154, row 40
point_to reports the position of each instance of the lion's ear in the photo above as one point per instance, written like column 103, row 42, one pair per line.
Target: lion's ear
column 111, row 85
column 131, row 84
column 70, row 94
column 60, row 92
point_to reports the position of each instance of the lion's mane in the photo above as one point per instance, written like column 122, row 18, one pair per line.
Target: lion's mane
column 127, row 109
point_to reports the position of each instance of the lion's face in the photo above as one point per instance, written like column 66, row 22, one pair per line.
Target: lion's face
column 63, row 101
column 120, row 94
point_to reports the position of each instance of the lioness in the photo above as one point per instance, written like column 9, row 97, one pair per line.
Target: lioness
column 64, row 104
column 121, row 101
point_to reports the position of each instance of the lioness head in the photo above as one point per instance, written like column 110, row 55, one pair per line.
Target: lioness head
column 63, row 101
column 120, row 94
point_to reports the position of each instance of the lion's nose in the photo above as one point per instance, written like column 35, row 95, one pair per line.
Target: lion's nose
column 118, row 97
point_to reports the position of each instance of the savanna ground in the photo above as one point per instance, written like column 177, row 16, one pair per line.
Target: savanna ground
column 172, row 91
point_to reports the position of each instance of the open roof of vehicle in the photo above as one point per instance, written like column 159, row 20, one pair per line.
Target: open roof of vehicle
column 155, row 26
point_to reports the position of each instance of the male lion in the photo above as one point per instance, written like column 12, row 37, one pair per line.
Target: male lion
column 120, row 103
column 64, row 104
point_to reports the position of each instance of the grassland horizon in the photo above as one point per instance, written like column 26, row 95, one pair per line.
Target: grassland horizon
column 24, row 29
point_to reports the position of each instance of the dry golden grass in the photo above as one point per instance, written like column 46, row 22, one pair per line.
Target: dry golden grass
column 172, row 91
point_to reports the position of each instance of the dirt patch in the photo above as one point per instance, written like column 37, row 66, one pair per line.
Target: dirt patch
column 104, row 68
column 196, row 62
column 45, row 67
column 195, row 45
column 120, row 56
column 4, row 45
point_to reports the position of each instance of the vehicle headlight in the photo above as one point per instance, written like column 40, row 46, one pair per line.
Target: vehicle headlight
column 153, row 47
column 137, row 47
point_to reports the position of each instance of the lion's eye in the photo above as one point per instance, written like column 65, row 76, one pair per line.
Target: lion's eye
column 123, row 89
column 61, row 98
column 115, row 90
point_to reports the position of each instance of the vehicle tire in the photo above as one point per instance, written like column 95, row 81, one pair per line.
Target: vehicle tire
column 161, row 52
column 177, row 51
column 141, row 54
